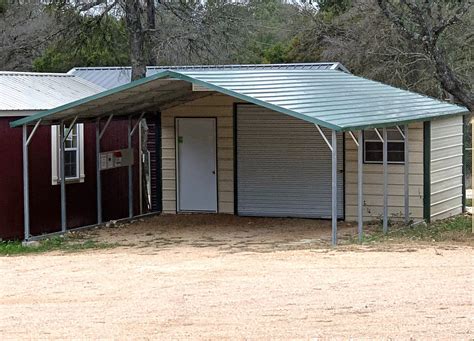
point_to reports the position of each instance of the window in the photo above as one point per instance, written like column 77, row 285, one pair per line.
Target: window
column 373, row 147
column 73, row 154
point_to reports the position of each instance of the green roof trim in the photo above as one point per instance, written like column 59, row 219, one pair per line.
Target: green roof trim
column 330, row 98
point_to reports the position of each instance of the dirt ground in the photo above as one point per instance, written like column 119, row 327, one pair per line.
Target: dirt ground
column 205, row 277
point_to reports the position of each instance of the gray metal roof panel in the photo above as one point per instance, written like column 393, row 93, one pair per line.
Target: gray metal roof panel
column 25, row 91
column 336, row 100
column 111, row 77
column 359, row 111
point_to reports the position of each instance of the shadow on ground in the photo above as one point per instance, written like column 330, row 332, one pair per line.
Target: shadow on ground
column 227, row 233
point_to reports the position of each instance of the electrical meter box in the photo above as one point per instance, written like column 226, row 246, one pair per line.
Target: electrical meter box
column 116, row 158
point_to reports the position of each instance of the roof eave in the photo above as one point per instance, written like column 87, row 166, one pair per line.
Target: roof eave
column 464, row 111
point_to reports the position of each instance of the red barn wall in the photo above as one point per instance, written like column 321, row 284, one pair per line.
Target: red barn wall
column 45, row 211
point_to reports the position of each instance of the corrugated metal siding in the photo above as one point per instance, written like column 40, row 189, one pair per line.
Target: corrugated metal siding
column 41, row 91
column 446, row 167
column 111, row 77
column 373, row 182
column 45, row 212
column 283, row 166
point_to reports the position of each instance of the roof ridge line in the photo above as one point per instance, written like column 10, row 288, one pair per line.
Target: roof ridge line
column 210, row 66
column 38, row 74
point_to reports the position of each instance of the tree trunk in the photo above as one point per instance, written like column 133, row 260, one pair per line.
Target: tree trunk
column 419, row 25
column 140, row 30
column 151, row 27
column 133, row 19
column 449, row 81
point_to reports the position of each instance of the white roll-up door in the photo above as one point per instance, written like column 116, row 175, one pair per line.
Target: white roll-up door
column 284, row 166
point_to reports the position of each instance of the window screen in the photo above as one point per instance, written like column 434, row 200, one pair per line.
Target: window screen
column 373, row 147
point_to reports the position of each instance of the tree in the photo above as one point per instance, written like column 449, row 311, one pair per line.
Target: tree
column 96, row 43
column 25, row 30
column 170, row 32
column 367, row 43
column 424, row 23
column 333, row 7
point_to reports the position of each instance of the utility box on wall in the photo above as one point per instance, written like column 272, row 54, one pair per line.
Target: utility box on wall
column 116, row 158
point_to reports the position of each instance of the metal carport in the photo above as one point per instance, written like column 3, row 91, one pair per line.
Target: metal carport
column 329, row 98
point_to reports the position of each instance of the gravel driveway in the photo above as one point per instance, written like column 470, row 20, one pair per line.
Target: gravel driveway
column 265, row 283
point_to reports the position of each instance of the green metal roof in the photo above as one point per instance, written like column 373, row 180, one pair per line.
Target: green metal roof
column 331, row 98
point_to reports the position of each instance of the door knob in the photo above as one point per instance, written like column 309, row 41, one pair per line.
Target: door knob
column 214, row 172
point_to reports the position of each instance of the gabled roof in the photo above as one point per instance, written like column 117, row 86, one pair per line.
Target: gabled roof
column 25, row 91
column 333, row 99
column 112, row 76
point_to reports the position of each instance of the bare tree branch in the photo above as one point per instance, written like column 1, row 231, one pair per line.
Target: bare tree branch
column 429, row 29
column 439, row 29
column 396, row 19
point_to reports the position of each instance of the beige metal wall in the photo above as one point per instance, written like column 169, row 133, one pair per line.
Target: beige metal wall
column 373, row 182
column 218, row 106
column 221, row 106
column 446, row 167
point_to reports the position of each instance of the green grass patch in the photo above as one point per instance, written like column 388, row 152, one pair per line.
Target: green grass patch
column 469, row 202
column 57, row 243
column 456, row 229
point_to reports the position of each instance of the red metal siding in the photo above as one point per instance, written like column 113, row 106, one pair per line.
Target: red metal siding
column 44, row 197
column 115, row 181
column 11, row 190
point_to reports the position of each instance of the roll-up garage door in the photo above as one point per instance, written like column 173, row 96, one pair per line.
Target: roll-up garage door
column 284, row 166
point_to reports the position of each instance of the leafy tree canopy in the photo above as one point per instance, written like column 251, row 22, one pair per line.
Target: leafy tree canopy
column 97, row 43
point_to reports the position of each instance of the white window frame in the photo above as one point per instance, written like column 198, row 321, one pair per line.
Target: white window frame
column 55, row 143
column 401, row 140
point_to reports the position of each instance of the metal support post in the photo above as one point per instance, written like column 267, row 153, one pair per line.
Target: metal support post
column 137, row 124
column 385, row 181
column 106, row 125
column 26, row 193
column 98, row 137
column 407, row 177
column 130, row 173
column 334, row 187
column 98, row 175
column 26, row 188
column 360, row 180
column 62, row 176
column 333, row 148
column 71, row 127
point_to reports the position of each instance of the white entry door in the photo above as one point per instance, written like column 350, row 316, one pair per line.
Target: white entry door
column 196, row 164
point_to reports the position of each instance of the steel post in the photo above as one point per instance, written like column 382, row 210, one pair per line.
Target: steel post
column 62, row 175
column 385, row 182
column 360, row 179
column 334, row 188
column 407, row 177
column 130, row 173
column 98, row 175
column 26, row 192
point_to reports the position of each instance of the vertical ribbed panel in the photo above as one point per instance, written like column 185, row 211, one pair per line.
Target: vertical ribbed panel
column 284, row 166
column 446, row 168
